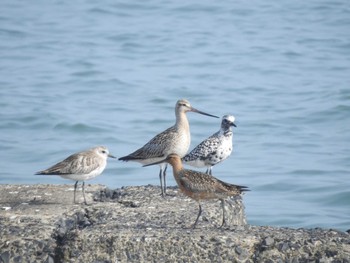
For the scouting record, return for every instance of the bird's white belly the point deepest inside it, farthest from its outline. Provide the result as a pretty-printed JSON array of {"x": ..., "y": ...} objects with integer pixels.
[
  {"x": 83, "y": 177},
  {"x": 197, "y": 163}
]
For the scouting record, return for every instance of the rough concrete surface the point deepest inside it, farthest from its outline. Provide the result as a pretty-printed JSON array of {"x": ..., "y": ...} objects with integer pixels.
[{"x": 40, "y": 223}]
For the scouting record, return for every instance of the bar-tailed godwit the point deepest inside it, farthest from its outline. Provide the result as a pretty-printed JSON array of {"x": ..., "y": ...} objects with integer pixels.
[
  {"x": 201, "y": 186},
  {"x": 81, "y": 166},
  {"x": 175, "y": 139},
  {"x": 214, "y": 149}
]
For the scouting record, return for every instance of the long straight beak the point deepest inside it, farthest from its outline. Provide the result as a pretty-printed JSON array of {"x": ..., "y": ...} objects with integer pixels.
[
  {"x": 203, "y": 113},
  {"x": 110, "y": 155},
  {"x": 234, "y": 124},
  {"x": 159, "y": 162}
]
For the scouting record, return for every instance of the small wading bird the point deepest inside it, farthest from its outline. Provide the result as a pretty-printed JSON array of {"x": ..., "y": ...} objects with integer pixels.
[
  {"x": 175, "y": 139},
  {"x": 81, "y": 166},
  {"x": 214, "y": 149},
  {"x": 201, "y": 186}
]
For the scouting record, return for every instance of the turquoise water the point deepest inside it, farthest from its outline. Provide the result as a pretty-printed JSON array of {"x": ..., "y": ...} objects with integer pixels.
[{"x": 75, "y": 74}]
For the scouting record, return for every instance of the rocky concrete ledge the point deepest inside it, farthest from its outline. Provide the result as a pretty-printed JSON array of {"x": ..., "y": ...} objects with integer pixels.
[{"x": 39, "y": 223}]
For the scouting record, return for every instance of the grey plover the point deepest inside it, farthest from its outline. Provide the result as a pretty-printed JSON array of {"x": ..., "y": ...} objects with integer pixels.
[
  {"x": 214, "y": 149},
  {"x": 201, "y": 186},
  {"x": 175, "y": 139},
  {"x": 81, "y": 166}
]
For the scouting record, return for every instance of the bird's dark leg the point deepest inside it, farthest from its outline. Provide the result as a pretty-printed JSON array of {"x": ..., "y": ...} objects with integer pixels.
[
  {"x": 207, "y": 171},
  {"x": 75, "y": 189},
  {"x": 161, "y": 181},
  {"x": 162, "y": 174},
  {"x": 84, "y": 193},
  {"x": 223, "y": 212},
  {"x": 164, "y": 180},
  {"x": 210, "y": 169},
  {"x": 199, "y": 213}
]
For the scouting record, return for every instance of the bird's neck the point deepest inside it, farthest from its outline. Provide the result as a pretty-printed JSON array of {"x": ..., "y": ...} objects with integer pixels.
[
  {"x": 182, "y": 121},
  {"x": 226, "y": 132},
  {"x": 177, "y": 166},
  {"x": 177, "y": 169}
]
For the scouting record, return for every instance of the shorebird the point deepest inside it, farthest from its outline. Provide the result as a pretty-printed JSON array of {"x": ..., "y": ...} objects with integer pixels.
[
  {"x": 201, "y": 186},
  {"x": 81, "y": 166},
  {"x": 175, "y": 139},
  {"x": 214, "y": 149}
]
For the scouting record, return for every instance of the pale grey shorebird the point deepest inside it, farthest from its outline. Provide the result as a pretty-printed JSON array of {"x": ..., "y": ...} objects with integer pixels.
[
  {"x": 214, "y": 149},
  {"x": 175, "y": 139},
  {"x": 201, "y": 186},
  {"x": 81, "y": 166}
]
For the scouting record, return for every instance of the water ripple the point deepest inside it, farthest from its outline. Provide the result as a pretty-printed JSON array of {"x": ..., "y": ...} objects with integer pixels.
[{"x": 78, "y": 74}]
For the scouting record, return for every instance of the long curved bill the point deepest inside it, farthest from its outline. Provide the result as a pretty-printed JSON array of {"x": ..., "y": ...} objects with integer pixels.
[{"x": 203, "y": 113}]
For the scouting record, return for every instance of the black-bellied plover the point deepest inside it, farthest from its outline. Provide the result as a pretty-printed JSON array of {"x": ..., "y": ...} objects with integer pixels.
[
  {"x": 81, "y": 166},
  {"x": 214, "y": 149},
  {"x": 175, "y": 139}
]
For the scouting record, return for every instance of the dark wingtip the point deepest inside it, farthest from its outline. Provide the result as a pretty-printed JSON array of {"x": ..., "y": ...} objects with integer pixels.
[
  {"x": 124, "y": 158},
  {"x": 130, "y": 158},
  {"x": 243, "y": 188}
]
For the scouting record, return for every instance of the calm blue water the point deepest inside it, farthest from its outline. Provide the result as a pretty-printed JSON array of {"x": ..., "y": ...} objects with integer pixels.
[{"x": 75, "y": 74}]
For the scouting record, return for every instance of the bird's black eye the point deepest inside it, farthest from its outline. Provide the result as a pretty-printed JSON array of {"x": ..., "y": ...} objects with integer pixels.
[{"x": 103, "y": 151}]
